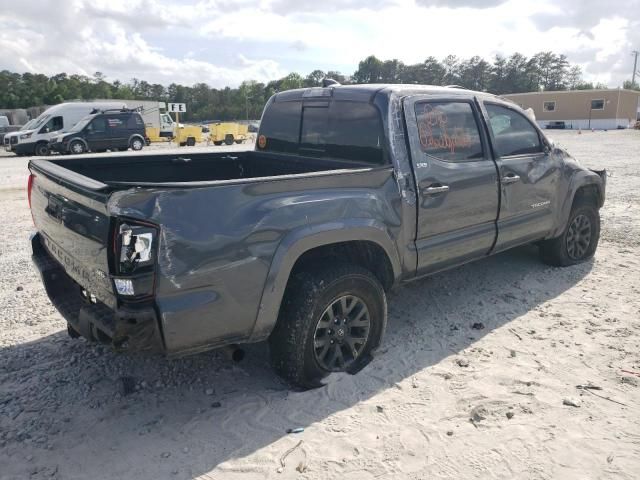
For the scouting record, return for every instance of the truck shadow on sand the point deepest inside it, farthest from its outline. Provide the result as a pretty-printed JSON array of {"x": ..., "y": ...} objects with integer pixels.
[{"x": 64, "y": 407}]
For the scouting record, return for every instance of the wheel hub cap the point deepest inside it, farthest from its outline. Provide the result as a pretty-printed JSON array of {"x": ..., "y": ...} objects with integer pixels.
[
  {"x": 341, "y": 333},
  {"x": 579, "y": 237}
]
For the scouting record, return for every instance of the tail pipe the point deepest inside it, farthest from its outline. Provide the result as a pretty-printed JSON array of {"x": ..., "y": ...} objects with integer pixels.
[{"x": 233, "y": 353}]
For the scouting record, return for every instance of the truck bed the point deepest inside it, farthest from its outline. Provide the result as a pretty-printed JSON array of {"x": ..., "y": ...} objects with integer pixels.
[{"x": 192, "y": 168}]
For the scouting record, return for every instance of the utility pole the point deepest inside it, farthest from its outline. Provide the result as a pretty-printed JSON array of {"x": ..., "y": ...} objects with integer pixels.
[{"x": 635, "y": 54}]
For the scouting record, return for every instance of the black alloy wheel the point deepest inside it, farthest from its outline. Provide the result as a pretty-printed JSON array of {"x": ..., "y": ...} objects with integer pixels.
[
  {"x": 578, "y": 237},
  {"x": 341, "y": 333}
]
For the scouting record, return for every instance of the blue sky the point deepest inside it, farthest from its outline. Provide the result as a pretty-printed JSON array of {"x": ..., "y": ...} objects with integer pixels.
[{"x": 223, "y": 42}]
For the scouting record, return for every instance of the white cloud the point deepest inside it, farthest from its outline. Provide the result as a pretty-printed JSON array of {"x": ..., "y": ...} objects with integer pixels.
[{"x": 223, "y": 42}]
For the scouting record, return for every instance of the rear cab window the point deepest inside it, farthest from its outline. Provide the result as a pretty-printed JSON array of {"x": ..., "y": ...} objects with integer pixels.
[{"x": 344, "y": 130}]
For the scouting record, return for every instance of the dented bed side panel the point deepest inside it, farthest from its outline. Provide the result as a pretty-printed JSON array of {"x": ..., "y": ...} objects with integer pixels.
[{"x": 217, "y": 243}]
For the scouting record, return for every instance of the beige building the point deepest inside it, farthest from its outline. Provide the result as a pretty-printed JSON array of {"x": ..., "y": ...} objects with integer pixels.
[{"x": 582, "y": 109}]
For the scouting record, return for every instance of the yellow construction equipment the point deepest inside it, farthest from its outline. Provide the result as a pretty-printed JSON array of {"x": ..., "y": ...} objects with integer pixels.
[
  {"x": 182, "y": 135},
  {"x": 228, "y": 133},
  {"x": 188, "y": 135}
]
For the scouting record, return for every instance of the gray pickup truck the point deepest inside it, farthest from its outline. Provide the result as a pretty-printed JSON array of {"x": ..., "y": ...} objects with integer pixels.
[{"x": 349, "y": 191}]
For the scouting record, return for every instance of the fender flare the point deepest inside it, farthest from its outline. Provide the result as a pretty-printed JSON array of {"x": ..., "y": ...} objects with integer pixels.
[
  {"x": 580, "y": 179},
  {"x": 303, "y": 239}
]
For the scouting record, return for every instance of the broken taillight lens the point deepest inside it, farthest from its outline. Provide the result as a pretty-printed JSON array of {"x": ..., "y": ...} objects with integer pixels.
[
  {"x": 136, "y": 244},
  {"x": 134, "y": 249}
]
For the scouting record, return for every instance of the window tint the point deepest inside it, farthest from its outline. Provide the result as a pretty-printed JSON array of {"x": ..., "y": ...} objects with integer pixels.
[
  {"x": 597, "y": 104},
  {"x": 512, "y": 132},
  {"x": 135, "y": 121},
  {"x": 281, "y": 126},
  {"x": 448, "y": 130},
  {"x": 355, "y": 132},
  {"x": 549, "y": 106},
  {"x": 315, "y": 125},
  {"x": 342, "y": 130},
  {"x": 98, "y": 125}
]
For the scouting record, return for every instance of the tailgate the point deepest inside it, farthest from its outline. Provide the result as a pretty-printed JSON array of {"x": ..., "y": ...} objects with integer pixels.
[{"x": 75, "y": 228}]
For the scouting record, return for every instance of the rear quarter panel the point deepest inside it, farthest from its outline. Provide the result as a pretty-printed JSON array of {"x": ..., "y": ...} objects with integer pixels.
[{"x": 217, "y": 244}]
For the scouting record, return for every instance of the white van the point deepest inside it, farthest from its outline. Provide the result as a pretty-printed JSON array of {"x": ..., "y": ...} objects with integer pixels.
[
  {"x": 55, "y": 120},
  {"x": 9, "y": 143}
]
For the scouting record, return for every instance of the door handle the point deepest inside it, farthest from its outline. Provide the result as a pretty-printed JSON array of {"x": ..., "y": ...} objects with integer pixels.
[
  {"x": 435, "y": 189},
  {"x": 510, "y": 178}
]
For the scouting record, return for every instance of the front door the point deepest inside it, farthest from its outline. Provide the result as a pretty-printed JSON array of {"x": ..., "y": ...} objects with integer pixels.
[
  {"x": 97, "y": 136},
  {"x": 529, "y": 177},
  {"x": 457, "y": 181}
]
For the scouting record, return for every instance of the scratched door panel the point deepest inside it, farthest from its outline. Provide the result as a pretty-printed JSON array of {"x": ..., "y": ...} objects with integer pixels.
[{"x": 456, "y": 180}]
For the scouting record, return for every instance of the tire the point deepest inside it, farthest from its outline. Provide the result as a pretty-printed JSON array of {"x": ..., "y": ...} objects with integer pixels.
[
  {"x": 574, "y": 245},
  {"x": 228, "y": 139},
  {"x": 136, "y": 144},
  {"x": 217, "y": 143},
  {"x": 77, "y": 147},
  {"x": 304, "y": 340},
  {"x": 239, "y": 141},
  {"x": 191, "y": 141},
  {"x": 42, "y": 149}
]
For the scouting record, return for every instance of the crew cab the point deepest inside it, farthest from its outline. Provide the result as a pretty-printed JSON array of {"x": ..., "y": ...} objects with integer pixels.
[{"x": 350, "y": 191}]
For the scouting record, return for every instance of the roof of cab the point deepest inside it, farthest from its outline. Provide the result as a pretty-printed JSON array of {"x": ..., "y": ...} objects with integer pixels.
[{"x": 365, "y": 92}]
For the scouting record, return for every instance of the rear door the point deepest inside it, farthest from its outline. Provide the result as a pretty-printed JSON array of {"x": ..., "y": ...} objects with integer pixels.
[
  {"x": 529, "y": 177},
  {"x": 456, "y": 178}
]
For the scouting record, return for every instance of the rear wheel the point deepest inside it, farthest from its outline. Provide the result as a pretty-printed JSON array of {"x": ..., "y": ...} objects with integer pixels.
[
  {"x": 331, "y": 320},
  {"x": 136, "y": 144},
  {"x": 228, "y": 139},
  {"x": 217, "y": 143},
  {"x": 77, "y": 147},
  {"x": 42, "y": 149},
  {"x": 239, "y": 141},
  {"x": 579, "y": 240}
]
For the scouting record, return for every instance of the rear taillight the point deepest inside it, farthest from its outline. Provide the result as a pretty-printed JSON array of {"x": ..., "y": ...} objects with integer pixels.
[
  {"x": 134, "y": 247},
  {"x": 29, "y": 188}
]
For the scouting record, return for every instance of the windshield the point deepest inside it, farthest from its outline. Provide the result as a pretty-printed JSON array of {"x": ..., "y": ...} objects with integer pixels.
[
  {"x": 81, "y": 124},
  {"x": 29, "y": 125},
  {"x": 41, "y": 120}
]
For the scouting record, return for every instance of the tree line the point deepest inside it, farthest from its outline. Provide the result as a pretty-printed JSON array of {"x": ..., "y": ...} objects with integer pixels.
[{"x": 502, "y": 75}]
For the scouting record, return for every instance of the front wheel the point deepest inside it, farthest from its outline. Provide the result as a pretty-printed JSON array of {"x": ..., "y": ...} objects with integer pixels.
[
  {"x": 42, "y": 149},
  {"x": 77, "y": 147},
  {"x": 579, "y": 240},
  {"x": 331, "y": 320}
]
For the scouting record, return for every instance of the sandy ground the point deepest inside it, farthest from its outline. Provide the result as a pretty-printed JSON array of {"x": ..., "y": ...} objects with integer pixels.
[{"x": 443, "y": 400}]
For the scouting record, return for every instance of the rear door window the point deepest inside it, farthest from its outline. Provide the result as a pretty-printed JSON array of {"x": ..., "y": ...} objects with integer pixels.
[
  {"x": 448, "y": 131},
  {"x": 513, "y": 133}
]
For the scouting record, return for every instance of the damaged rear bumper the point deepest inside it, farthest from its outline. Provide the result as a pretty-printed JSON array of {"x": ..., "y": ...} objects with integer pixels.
[{"x": 125, "y": 327}]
